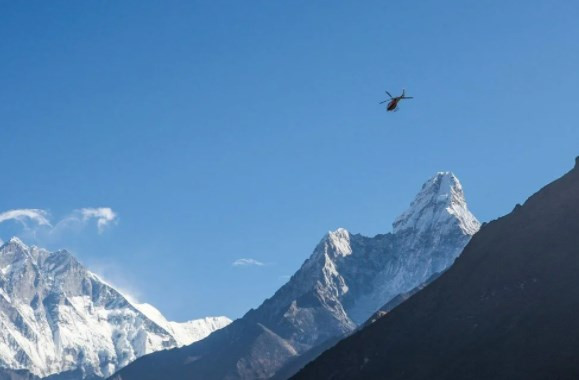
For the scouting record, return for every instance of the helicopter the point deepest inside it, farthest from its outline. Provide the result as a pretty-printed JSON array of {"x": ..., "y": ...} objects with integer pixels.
[{"x": 393, "y": 101}]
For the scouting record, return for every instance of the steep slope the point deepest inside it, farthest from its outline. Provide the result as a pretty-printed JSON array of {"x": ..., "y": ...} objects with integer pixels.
[
  {"x": 56, "y": 317},
  {"x": 507, "y": 309},
  {"x": 347, "y": 278}
]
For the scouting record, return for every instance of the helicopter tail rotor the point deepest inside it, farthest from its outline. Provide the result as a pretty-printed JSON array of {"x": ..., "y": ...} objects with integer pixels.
[{"x": 403, "y": 96}]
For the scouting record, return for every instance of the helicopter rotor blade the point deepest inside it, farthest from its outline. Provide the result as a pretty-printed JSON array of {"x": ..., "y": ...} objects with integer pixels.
[
  {"x": 387, "y": 93},
  {"x": 407, "y": 97},
  {"x": 383, "y": 102}
]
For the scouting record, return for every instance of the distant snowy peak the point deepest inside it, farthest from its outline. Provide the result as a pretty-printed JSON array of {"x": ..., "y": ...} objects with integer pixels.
[
  {"x": 56, "y": 317},
  {"x": 440, "y": 202},
  {"x": 14, "y": 254}
]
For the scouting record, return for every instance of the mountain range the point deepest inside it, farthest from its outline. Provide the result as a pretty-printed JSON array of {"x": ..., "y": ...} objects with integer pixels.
[
  {"x": 507, "y": 309},
  {"x": 344, "y": 282},
  {"x": 60, "y": 321}
]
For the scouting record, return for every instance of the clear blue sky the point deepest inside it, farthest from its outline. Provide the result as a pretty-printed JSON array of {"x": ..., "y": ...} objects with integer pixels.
[{"x": 220, "y": 130}]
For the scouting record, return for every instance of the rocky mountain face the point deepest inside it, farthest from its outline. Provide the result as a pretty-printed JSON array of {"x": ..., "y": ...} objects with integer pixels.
[
  {"x": 346, "y": 280},
  {"x": 60, "y": 320},
  {"x": 507, "y": 309}
]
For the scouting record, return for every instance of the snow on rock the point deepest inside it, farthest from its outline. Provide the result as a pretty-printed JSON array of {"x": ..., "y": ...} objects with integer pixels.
[
  {"x": 440, "y": 203},
  {"x": 56, "y": 316},
  {"x": 349, "y": 277},
  {"x": 188, "y": 332}
]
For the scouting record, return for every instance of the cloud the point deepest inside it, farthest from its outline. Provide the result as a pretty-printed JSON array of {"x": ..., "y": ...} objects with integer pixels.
[
  {"x": 103, "y": 215},
  {"x": 247, "y": 262},
  {"x": 37, "y": 225},
  {"x": 38, "y": 216}
]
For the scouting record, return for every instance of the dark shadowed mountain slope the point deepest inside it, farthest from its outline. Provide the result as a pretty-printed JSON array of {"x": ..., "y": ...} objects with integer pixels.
[
  {"x": 507, "y": 309},
  {"x": 346, "y": 279}
]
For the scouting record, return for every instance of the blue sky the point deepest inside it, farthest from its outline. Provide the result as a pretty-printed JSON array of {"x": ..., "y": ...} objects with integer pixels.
[{"x": 223, "y": 130}]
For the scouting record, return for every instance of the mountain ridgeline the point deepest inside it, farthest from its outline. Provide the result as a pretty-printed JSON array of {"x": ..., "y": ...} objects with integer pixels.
[
  {"x": 60, "y": 321},
  {"x": 507, "y": 309},
  {"x": 343, "y": 283}
]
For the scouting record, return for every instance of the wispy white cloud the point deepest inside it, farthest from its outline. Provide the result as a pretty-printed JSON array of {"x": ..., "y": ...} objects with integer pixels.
[
  {"x": 103, "y": 215},
  {"x": 24, "y": 215},
  {"x": 37, "y": 225},
  {"x": 247, "y": 262}
]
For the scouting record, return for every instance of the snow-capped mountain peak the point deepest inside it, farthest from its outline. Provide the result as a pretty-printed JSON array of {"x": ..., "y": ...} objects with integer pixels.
[
  {"x": 57, "y": 317},
  {"x": 13, "y": 248},
  {"x": 340, "y": 242},
  {"x": 440, "y": 202},
  {"x": 16, "y": 241}
]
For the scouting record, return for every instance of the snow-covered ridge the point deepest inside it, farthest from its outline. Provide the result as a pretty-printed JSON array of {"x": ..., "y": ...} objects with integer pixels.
[
  {"x": 184, "y": 333},
  {"x": 56, "y": 316}
]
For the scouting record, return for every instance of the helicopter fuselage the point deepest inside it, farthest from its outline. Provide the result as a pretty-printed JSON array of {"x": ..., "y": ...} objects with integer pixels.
[{"x": 393, "y": 104}]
